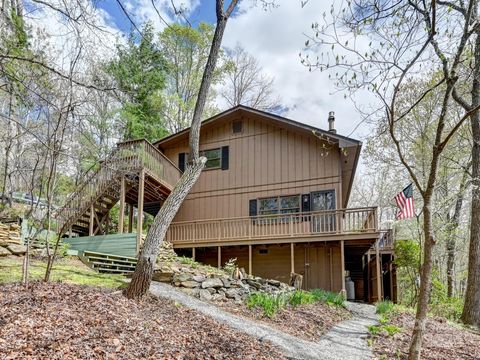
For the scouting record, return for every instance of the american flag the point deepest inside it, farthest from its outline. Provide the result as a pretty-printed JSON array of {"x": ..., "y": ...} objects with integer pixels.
[{"x": 404, "y": 201}]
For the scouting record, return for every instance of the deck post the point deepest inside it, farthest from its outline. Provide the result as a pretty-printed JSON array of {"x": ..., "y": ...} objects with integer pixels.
[
  {"x": 249, "y": 259},
  {"x": 193, "y": 254},
  {"x": 141, "y": 189},
  {"x": 292, "y": 258},
  {"x": 70, "y": 231},
  {"x": 379, "y": 282},
  {"x": 342, "y": 258},
  {"x": 130, "y": 218},
  {"x": 92, "y": 214},
  {"x": 121, "y": 213},
  {"x": 219, "y": 252}
]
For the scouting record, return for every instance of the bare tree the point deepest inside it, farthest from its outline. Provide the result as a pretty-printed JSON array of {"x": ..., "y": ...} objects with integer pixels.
[
  {"x": 385, "y": 47},
  {"x": 246, "y": 82},
  {"x": 142, "y": 276}
]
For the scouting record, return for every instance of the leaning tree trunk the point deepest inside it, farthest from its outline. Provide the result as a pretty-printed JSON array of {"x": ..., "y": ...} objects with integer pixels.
[
  {"x": 425, "y": 285},
  {"x": 471, "y": 309},
  {"x": 142, "y": 276}
]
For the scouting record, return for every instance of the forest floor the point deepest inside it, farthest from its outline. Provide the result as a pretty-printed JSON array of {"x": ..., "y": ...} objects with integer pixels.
[
  {"x": 64, "y": 321},
  {"x": 443, "y": 340},
  {"x": 308, "y": 321}
]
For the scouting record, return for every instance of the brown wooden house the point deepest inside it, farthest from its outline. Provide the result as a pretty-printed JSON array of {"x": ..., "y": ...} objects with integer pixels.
[{"x": 274, "y": 195}]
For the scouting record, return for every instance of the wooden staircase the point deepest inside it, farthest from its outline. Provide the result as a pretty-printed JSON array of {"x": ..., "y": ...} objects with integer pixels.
[
  {"x": 107, "y": 263},
  {"x": 86, "y": 210}
]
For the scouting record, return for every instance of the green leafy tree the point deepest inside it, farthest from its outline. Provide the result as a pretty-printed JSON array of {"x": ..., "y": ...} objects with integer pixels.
[
  {"x": 139, "y": 71},
  {"x": 186, "y": 52}
]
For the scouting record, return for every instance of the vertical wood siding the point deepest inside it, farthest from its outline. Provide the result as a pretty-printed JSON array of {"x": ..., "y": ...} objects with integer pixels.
[{"x": 265, "y": 159}]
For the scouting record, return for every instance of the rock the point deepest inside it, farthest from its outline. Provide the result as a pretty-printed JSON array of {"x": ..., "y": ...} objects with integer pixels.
[
  {"x": 205, "y": 295},
  {"x": 190, "y": 284},
  {"x": 232, "y": 293},
  {"x": 226, "y": 282},
  {"x": 192, "y": 292},
  {"x": 218, "y": 297},
  {"x": 212, "y": 283},
  {"x": 199, "y": 278},
  {"x": 274, "y": 282},
  {"x": 254, "y": 283},
  {"x": 182, "y": 277},
  {"x": 3, "y": 242},
  {"x": 4, "y": 252},
  {"x": 160, "y": 276},
  {"x": 17, "y": 249}
]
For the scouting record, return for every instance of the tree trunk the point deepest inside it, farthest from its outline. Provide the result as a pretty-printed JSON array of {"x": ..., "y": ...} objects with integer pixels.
[
  {"x": 425, "y": 285},
  {"x": 471, "y": 309},
  {"x": 142, "y": 276},
  {"x": 452, "y": 228}
]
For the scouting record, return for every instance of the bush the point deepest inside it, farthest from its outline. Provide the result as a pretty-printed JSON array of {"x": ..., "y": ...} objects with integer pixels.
[
  {"x": 300, "y": 297},
  {"x": 450, "y": 309}
]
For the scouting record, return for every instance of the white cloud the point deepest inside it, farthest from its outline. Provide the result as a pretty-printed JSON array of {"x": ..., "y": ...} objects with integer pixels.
[{"x": 276, "y": 37}]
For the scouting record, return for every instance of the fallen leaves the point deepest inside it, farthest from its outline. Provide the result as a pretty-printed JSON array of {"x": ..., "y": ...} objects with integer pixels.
[
  {"x": 442, "y": 341},
  {"x": 62, "y": 321}
]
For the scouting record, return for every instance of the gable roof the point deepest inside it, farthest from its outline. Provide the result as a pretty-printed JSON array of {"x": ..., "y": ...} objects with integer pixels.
[{"x": 349, "y": 160}]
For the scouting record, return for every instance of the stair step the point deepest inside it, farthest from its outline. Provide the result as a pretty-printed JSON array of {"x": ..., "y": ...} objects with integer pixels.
[{"x": 112, "y": 261}]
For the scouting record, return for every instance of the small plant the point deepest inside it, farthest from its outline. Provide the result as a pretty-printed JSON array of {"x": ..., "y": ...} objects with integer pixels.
[
  {"x": 187, "y": 261},
  {"x": 230, "y": 266},
  {"x": 384, "y": 307},
  {"x": 391, "y": 329},
  {"x": 374, "y": 330},
  {"x": 328, "y": 297},
  {"x": 270, "y": 304},
  {"x": 300, "y": 297}
]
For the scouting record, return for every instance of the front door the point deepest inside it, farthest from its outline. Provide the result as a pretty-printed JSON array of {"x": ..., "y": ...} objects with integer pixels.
[{"x": 323, "y": 201}]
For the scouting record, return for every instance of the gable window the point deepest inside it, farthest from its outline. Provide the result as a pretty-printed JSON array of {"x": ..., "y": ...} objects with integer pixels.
[
  {"x": 279, "y": 205},
  {"x": 214, "y": 158}
]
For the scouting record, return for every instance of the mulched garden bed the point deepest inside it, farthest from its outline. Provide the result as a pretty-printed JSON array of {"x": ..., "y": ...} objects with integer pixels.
[
  {"x": 62, "y": 321},
  {"x": 442, "y": 341},
  {"x": 308, "y": 322}
]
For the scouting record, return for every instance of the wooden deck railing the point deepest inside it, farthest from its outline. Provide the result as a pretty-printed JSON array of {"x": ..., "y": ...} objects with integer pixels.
[
  {"x": 341, "y": 221},
  {"x": 127, "y": 157}
]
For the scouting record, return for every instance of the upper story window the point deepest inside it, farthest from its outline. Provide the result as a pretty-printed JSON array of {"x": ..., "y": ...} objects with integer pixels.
[
  {"x": 279, "y": 205},
  {"x": 214, "y": 158}
]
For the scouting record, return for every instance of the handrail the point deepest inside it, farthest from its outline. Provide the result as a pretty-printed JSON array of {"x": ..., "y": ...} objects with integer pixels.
[{"x": 314, "y": 223}]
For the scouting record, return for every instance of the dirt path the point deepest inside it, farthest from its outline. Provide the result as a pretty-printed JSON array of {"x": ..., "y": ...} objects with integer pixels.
[{"x": 344, "y": 341}]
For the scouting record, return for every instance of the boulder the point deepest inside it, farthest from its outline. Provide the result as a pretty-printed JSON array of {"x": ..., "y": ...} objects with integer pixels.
[
  {"x": 190, "y": 284},
  {"x": 162, "y": 276},
  {"x": 254, "y": 283},
  {"x": 212, "y": 290},
  {"x": 199, "y": 278},
  {"x": 232, "y": 293},
  {"x": 226, "y": 282},
  {"x": 17, "y": 249},
  {"x": 192, "y": 292},
  {"x": 4, "y": 252},
  {"x": 212, "y": 283},
  {"x": 218, "y": 297},
  {"x": 274, "y": 282},
  {"x": 205, "y": 295},
  {"x": 182, "y": 277}
]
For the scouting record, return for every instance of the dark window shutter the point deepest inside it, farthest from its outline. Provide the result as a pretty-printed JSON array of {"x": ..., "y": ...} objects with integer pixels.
[
  {"x": 224, "y": 157},
  {"x": 181, "y": 161},
  {"x": 252, "y": 210},
  {"x": 305, "y": 202}
]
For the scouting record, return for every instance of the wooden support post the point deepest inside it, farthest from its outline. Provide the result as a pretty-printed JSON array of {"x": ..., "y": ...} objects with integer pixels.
[
  {"x": 292, "y": 258},
  {"x": 130, "y": 218},
  {"x": 379, "y": 272},
  {"x": 70, "y": 232},
  {"x": 193, "y": 254},
  {"x": 219, "y": 265},
  {"x": 342, "y": 259},
  {"x": 141, "y": 190},
  {"x": 249, "y": 259},
  {"x": 369, "y": 287},
  {"x": 121, "y": 213},
  {"x": 92, "y": 219}
]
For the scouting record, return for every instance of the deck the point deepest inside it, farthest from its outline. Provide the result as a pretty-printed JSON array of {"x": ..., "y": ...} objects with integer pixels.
[{"x": 340, "y": 224}]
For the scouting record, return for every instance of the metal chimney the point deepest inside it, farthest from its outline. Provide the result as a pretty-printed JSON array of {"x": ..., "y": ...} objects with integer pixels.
[{"x": 331, "y": 122}]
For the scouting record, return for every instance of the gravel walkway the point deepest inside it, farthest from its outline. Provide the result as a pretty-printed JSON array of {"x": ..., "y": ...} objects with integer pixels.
[{"x": 344, "y": 341}]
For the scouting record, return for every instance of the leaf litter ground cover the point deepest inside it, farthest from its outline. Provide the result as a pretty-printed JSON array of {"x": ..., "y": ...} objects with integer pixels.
[
  {"x": 63, "y": 321},
  {"x": 442, "y": 341}
]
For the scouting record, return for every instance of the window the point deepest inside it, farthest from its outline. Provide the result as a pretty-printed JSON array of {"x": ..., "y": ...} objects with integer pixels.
[
  {"x": 279, "y": 204},
  {"x": 214, "y": 158}
]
